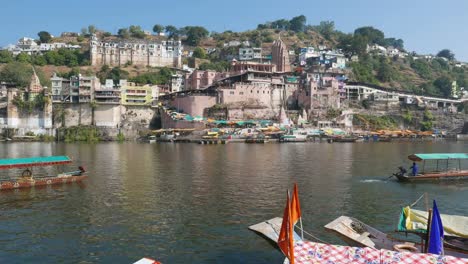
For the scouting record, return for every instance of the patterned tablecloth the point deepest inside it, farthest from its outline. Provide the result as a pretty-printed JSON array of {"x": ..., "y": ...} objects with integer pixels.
[{"x": 316, "y": 253}]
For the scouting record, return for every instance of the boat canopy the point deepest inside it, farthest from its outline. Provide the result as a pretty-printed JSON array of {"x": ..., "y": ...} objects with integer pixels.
[
  {"x": 437, "y": 156},
  {"x": 33, "y": 161},
  {"x": 416, "y": 221}
]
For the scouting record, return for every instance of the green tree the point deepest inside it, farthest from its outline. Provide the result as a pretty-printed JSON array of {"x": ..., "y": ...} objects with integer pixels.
[
  {"x": 195, "y": 35},
  {"x": 444, "y": 84},
  {"x": 199, "y": 53},
  {"x": 17, "y": 72},
  {"x": 446, "y": 53},
  {"x": 6, "y": 56},
  {"x": 39, "y": 60},
  {"x": 23, "y": 57},
  {"x": 297, "y": 24},
  {"x": 123, "y": 33},
  {"x": 44, "y": 36},
  {"x": 373, "y": 35},
  {"x": 326, "y": 28},
  {"x": 281, "y": 24},
  {"x": 427, "y": 123},
  {"x": 92, "y": 29},
  {"x": 422, "y": 68},
  {"x": 396, "y": 43},
  {"x": 353, "y": 45},
  {"x": 171, "y": 31},
  {"x": 384, "y": 72},
  {"x": 136, "y": 32},
  {"x": 158, "y": 28}
]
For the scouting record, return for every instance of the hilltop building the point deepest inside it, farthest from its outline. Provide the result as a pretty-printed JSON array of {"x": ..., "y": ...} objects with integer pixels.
[{"x": 136, "y": 52}]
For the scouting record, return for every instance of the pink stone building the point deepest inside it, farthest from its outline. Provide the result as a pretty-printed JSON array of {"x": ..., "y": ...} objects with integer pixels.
[{"x": 201, "y": 79}]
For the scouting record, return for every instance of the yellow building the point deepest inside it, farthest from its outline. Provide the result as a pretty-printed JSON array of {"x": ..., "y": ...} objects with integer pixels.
[{"x": 136, "y": 95}]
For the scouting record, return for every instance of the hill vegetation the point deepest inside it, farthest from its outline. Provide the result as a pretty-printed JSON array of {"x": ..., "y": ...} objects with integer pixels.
[{"x": 432, "y": 76}]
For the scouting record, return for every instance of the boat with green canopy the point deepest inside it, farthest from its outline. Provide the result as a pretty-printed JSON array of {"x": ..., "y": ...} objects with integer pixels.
[
  {"x": 436, "y": 166},
  {"x": 22, "y": 175}
]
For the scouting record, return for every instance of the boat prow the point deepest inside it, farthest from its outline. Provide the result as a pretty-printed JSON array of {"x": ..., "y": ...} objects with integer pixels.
[{"x": 270, "y": 229}]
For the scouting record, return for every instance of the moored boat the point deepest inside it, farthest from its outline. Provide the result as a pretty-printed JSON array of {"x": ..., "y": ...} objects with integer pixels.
[
  {"x": 373, "y": 246},
  {"x": 26, "y": 179},
  {"x": 447, "y": 167}
]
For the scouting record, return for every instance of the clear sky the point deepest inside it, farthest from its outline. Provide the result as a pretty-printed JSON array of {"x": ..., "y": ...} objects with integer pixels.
[{"x": 426, "y": 26}]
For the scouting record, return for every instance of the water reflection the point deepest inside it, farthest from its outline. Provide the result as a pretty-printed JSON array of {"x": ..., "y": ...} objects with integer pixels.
[{"x": 184, "y": 203}]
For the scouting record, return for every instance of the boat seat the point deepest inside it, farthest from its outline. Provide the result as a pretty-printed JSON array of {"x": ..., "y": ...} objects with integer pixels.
[{"x": 363, "y": 236}]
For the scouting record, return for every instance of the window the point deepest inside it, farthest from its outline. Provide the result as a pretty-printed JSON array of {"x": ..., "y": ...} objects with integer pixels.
[
  {"x": 241, "y": 93},
  {"x": 251, "y": 91},
  {"x": 231, "y": 92}
]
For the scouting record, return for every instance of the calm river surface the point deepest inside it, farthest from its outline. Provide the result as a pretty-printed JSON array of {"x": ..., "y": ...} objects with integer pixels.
[{"x": 188, "y": 203}]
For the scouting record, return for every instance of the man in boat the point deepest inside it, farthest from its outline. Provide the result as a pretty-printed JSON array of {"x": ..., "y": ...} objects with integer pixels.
[{"x": 414, "y": 169}]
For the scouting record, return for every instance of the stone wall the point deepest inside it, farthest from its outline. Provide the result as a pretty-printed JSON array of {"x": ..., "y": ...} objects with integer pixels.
[{"x": 193, "y": 105}]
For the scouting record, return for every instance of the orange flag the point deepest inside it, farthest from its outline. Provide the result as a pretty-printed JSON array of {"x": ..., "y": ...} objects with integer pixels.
[
  {"x": 295, "y": 206},
  {"x": 286, "y": 236}
]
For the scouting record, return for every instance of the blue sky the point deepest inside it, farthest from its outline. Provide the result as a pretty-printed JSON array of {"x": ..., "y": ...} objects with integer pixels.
[{"x": 425, "y": 26}]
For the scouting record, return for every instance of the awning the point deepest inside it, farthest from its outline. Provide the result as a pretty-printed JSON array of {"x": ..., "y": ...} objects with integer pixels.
[
  {"x": 33, "y": 162},
  {"x": 437, "y": 156}
]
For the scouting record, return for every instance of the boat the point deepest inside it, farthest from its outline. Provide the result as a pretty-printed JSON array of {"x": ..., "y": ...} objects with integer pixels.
[
  {"x": 356, "y": 233},
  {"x": 26, "y": 178},
  {"x": 442, "y": 163},
  {"x": 341, "y": 139},
  {"x": 455, "y": 227},
  {"x": 293, "y": 138},
  {"x": 257, "y": 139},
  {"x": 371, "y": 245}
]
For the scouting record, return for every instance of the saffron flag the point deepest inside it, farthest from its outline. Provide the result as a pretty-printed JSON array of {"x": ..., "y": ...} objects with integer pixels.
[
  {"x": 436, "y": 235},
  {"x": 286, "y": 236},
  {"x": 295, "y": 206}
]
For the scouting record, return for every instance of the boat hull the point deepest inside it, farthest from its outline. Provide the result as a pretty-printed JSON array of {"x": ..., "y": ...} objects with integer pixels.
[
  {"x": 460, "y": 175},
  {"x": 10, "y": 185}
]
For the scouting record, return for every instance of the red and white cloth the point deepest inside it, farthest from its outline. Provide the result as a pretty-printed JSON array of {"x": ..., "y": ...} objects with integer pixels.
[{"x": 317, "y": 253}]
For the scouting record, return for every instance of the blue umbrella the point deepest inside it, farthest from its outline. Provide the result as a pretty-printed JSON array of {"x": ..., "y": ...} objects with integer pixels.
[{"x": 436, "y": 235}]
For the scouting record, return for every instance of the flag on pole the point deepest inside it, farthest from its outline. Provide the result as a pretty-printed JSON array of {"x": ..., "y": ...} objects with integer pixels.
[
  {"x": 295, "y": 206},
  {"x": 436, "y": 235},
  {"x": 286, "y": 236}
]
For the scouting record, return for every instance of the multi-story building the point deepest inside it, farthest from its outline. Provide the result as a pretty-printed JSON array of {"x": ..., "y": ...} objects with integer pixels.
[
  {"x": 82, "y": 88},
  {"x": 133, "y": 94},
  {"x": 250, "y": 54},
  {"x": 109, "y": 93},
  {"x": 29, "y": 46},
  {"x": 177, "y": 83},
  {"x": 136, "y": 52},
  {"x": 201, "y": 79},
  {"x": 60, "y": 88}
]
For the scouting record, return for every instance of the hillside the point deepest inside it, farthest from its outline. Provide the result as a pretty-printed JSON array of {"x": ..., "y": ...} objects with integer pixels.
[{"x": 430, "y": 75}]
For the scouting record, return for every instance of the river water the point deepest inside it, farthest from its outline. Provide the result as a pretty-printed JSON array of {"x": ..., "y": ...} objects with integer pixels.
[{"x": 188, "y": 203}]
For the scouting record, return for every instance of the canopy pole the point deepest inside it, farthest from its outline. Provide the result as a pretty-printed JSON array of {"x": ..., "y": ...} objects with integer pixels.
[
  {"x": 437, "y": 168},
  {"x": 424, "y": 166}
]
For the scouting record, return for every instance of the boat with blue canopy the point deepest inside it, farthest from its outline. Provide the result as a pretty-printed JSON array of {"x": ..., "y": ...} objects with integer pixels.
[
  {"x": 436, "y": 166},
  {"x": 23, "y": 176}
]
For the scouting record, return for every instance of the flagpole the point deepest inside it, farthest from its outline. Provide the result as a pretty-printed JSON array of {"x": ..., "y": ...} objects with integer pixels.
[{"x": 428, "y": 230}]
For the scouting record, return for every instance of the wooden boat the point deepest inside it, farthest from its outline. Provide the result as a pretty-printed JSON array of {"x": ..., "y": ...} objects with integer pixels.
[
  {"x": 342, "y": 139},
  {"x": 373, "y": 246},
  {"x": 27, "y": 179},
  {"x": 356, "y": 233},
  {"x": 414, "y": 221},
  {"x": 443, "y": 171},
  {"x": 257, "y": 139},
  {"x": 293, "y": 138}
]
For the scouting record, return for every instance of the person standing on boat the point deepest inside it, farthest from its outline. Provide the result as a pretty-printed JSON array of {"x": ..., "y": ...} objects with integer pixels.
[{"x": 414, "y": 169}]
